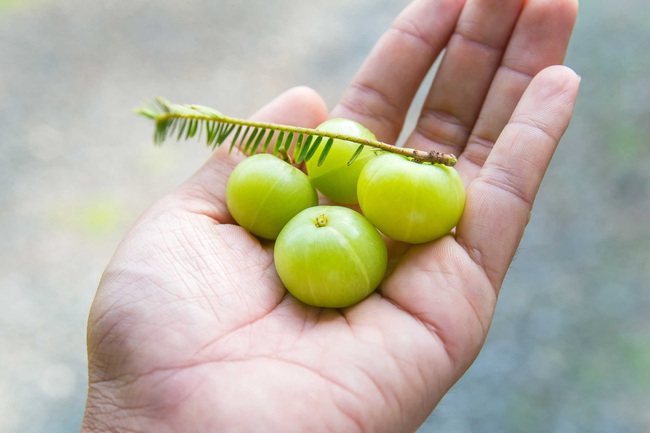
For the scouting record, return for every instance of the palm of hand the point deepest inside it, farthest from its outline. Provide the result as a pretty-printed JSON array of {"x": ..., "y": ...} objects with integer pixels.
[
  {"x": 191, "y": 329},
  {"x": 201, "y": 309}
]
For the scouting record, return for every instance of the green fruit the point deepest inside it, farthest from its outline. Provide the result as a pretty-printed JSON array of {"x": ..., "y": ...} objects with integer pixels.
[
  {"x": 330, "y": 256},
  {"x": 264, "y": 193},
  {"x": 411, "y": 202},
  {"x": 334, "y": 178}
]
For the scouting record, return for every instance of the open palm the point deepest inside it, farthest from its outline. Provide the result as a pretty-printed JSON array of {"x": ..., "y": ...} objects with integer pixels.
[{"x": 191, "y": 329}]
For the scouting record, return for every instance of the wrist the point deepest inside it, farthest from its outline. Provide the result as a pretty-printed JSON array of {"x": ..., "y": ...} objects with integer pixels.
[{"x": 104, "y": 413}]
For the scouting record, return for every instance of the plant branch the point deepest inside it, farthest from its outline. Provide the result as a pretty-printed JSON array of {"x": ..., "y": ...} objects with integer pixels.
[{"x": 189, "y": 120}]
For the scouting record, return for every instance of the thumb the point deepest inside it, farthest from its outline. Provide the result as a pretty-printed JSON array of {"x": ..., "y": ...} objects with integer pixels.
[{"x": 205, "y": 191}]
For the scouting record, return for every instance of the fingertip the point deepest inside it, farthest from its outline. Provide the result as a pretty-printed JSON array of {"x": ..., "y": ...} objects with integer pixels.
[
  {"x": 572, "y": 7},
  {"x": 298, "y": 106},
  {"x": 308, "y": 94},
  {"x": 557, "y": 80},
  {"x": 560, "y": 71}
]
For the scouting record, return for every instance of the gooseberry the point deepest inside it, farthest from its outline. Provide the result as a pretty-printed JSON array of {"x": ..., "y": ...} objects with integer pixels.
[
  {"x": 264, "y": 193},
  {"x": 330, "y": 256},
  {"x": 334, "y": 178},
  {"x": 408, "y": 201}
]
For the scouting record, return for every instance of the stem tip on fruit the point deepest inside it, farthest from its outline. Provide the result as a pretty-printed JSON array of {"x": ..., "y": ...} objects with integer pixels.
[{"x": 321, "y": 221}]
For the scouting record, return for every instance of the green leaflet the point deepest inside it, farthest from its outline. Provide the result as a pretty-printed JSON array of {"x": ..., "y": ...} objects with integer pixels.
[
  {"x": 326, "y": 150},
  {"x": 357, "y": 152}
]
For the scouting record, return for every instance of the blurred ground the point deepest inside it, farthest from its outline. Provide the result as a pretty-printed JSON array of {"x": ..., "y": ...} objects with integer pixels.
[{"x": 569, "y": 350}]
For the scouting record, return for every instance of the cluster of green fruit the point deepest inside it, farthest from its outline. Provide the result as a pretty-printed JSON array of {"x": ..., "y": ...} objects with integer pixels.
[{"x": 332, "y": 256}]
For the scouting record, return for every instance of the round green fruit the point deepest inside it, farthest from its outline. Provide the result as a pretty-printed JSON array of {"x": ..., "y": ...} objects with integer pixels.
[
  {"x": 411, "y": 202},
  {"x": 264, "y": 193},
  {"x": 334, "y": 178},
  {"x": 330, "y": 256}
]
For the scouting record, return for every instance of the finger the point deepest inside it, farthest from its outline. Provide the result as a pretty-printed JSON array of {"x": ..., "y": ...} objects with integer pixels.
[
  {"x": 540, "y": 39},
  {"x": 205, "y": 191},
  {"x": 461, "y": 83},
  {"x": 382, "y": 90},
  {"x": 500, "y": 199}
]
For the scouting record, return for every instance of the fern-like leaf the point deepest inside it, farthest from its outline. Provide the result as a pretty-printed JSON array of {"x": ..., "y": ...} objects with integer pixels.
[{"x": 188, "y": 121}]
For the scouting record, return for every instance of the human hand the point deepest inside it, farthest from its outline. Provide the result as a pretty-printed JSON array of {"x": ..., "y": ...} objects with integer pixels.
[{"x": 191, "y": 329}]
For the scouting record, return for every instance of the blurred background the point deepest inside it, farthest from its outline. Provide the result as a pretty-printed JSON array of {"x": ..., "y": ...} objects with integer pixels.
[{"x": 569, "y": 350}]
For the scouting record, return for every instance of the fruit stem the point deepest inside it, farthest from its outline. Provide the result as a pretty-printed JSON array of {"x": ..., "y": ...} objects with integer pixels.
[
  {"x": 284, "y": 155},
  {"x": 321, "y": 220}
]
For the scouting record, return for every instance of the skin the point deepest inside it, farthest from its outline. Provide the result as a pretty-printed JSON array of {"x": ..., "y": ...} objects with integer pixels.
[{"x": 191, "y": 329}]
